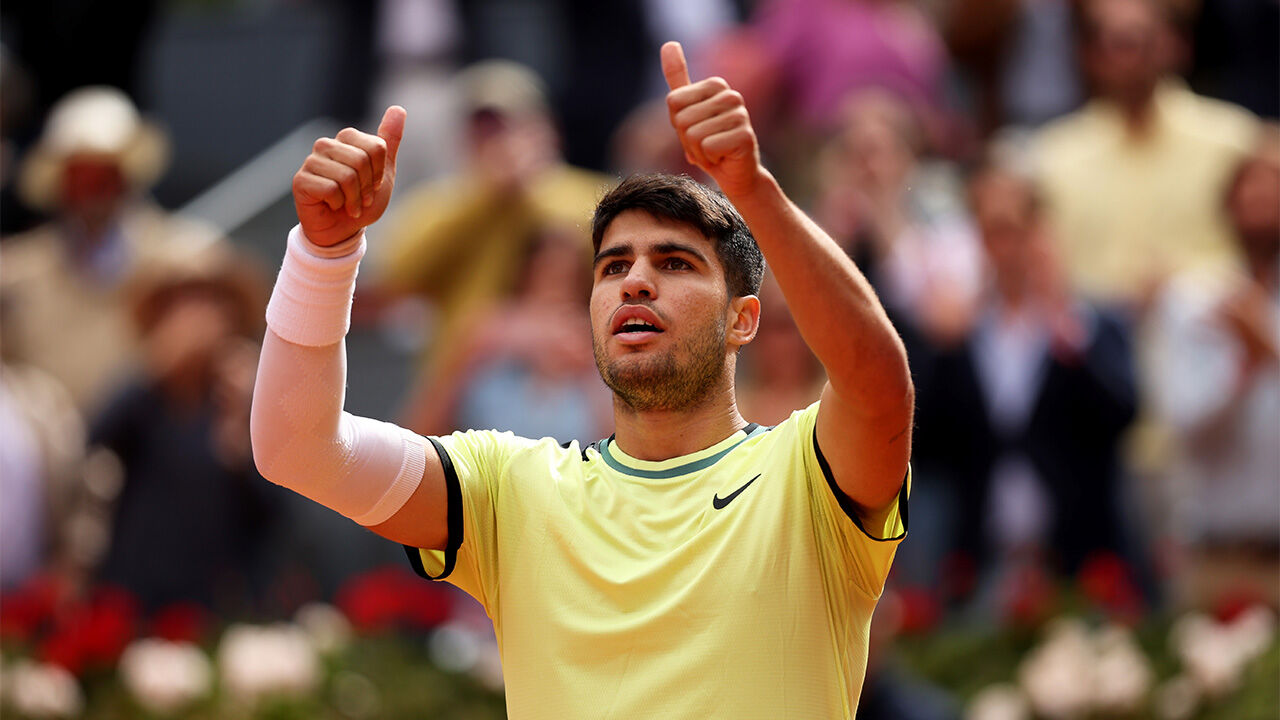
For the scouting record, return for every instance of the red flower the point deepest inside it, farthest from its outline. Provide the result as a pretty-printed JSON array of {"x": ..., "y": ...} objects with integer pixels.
[
  {"x": 392, "y": 596},
  {"x": 180, "y": 622},
  {"x": 920, "y": 610},
  {"x": 1027, "y": 595},
  {"x": 24, "y": 610},
  {"x": 1232, "y": 603},
  {"x": 1108, "y": 583},
  {"x": 93, "y": 634}
]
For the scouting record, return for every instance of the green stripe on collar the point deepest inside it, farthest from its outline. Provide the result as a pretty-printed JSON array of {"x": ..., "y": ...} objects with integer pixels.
[{"x": 684, "y": 469}]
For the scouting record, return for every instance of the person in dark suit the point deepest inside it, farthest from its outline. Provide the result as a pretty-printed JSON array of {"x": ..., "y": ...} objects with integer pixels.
[{"x": 1028, "y": 409}]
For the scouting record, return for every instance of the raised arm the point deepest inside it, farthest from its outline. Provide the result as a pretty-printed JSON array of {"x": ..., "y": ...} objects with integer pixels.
[
  {"x": 864, "y": 421},
  {"x": 379, "y": 475}
]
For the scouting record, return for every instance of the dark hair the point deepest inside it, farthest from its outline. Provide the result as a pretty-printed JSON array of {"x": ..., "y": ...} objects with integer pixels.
[{"x": 684, "y": 200}]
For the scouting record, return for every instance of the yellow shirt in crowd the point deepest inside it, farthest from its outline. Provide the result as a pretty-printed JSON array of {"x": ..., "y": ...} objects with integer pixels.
[{"x": 1128, "y": 209}]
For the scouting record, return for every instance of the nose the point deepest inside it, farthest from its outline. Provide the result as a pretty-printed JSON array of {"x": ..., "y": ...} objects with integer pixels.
[{"x": 638, "y": 284}]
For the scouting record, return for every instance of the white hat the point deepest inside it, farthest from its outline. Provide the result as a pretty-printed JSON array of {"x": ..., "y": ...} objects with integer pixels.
[
  {"x": 502, "y": 86},
  {"x": 99, "y": 121}
]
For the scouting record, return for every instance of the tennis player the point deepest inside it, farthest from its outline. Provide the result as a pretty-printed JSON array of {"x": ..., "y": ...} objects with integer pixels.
[{"x": 693, "y": 565}]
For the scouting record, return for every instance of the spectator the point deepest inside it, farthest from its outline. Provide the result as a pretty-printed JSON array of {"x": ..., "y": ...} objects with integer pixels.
[
  {"x": 460, "y": 241},
  {"x": 41, "y": 451},
  {"x": 64, "y": 279},
  {"x": 799, "y": 59},
  {"x": 1019, "y": 56},
  {"x": 807, "y": 55},
  {"x": 190, "y": 515},
  {"x": 779, "y": 373},
  {"x": 524, "y": 364},
  {"x": 900, "y": 216},
  {"x": 1133, "y": 178},
  {"x": 1027, "y": 413},
  {"x": 642, "y": 143},
  {"x": 1217, "y": 385}
]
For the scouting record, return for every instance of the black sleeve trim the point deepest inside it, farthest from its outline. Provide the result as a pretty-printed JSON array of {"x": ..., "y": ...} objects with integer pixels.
[
  {"x": 453, "y": 494},
  {"x": 846, "y": 503}
]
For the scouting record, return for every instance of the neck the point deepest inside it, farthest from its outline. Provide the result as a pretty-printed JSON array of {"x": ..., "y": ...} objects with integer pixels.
[
  {"x": 664, "y": 434},
  {"x": 88, "y": 231},
  {"x": 1138, "y": 110},
  {"x": 1263, "y": 268},
  {"x": 1012, "y": 290}
]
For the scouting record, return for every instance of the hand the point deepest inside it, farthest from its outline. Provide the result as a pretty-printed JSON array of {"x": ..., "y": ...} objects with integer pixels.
[
  {"x": 712, "y": 122},
  {"x": 1247, "y": 313},
  {"x": 345, "y": 183},
  {"x": 1052, "y": 291}
]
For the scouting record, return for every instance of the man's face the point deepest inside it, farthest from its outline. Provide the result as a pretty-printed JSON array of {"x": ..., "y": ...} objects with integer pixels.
[
  {"x": 92, "y": 189},
  {"x": 1253, "y": 207},
  {"x": 1001, "y": 212},
  {"x": 1124, "y": 54},
  {"x": 659, "y": 312}
]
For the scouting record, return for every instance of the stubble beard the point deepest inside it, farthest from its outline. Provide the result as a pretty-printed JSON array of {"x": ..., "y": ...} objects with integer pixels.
[{"x": 662, "y": 381}]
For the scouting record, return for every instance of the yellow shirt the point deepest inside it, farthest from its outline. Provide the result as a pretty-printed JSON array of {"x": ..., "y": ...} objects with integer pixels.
[
  {"x": 1127, "y": 210},
  {"x": 730, "y": 583}
]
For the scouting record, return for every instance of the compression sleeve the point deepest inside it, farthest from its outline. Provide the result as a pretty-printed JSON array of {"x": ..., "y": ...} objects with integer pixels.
[{"x": 302, "y": 439}]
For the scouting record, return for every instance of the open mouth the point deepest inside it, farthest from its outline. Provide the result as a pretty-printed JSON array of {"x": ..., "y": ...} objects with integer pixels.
[{"x": 636, "y": 324}]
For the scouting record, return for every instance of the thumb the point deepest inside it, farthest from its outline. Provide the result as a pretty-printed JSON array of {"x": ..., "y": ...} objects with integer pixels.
[
  {"x": 391, "y": 130},
  {"x": 674, "y": 67}
]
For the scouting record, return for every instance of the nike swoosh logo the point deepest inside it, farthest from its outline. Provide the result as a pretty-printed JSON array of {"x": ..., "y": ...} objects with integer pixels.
[{"x": 720, "y": 502}]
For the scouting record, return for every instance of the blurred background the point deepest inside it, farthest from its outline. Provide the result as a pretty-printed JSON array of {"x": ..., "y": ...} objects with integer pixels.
[{"x": 1070, "y": 208}]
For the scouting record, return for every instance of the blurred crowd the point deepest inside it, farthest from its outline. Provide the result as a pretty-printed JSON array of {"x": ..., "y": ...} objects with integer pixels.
[{"x": 1070, "y": 209}]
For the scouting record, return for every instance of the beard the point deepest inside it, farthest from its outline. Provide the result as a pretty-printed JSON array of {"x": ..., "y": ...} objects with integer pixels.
[{"x": 678, "y": 379}]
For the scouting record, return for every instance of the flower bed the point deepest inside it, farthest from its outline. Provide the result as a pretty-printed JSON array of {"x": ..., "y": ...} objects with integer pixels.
[{"x": 395, "y": 647}]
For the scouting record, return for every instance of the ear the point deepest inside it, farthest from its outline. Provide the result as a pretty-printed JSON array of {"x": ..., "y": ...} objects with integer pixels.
[{"x": 743, "y": 320}]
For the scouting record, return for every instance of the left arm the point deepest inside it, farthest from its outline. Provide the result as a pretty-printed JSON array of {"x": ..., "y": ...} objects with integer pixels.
[{"x": 864, "y": 421}]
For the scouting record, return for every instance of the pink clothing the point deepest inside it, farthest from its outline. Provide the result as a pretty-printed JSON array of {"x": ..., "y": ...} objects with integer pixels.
[{"x": 826, "y": 48}]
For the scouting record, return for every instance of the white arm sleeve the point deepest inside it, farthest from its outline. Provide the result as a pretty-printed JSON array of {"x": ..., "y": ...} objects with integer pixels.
[{"x": 302, "y": 439}]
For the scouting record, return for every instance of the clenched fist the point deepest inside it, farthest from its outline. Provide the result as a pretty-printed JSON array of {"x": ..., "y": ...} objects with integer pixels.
[
  {"x": 345, "y": 183},
  {"x": 711, "y": 120}
]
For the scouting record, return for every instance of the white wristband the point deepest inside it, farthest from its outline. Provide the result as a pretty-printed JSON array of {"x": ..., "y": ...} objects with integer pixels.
[{"x": 311, "y": 302}]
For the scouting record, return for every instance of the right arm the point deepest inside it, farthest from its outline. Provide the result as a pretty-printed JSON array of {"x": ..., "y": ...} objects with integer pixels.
[{"x": 381, "y": 476}]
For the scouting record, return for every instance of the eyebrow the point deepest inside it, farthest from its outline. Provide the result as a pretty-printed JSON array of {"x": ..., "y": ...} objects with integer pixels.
[
  {"x": 670, "y": 248},
  {"x": 666, "y": 248},
  {"x": 615, "y": 251}
]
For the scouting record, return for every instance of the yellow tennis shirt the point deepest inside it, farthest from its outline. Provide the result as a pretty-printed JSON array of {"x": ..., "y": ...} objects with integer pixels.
[{"x": 734, "y": 582}]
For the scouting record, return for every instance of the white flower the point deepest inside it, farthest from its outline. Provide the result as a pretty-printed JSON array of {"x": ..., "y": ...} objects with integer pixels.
[
  {"x": 1189, "y": 631},
  {"x": 1058, "y": 674},
  {"x": 1122, "y": 674},
  {"x": 165, "y": 676},
  {"x": 455, "y": 647},
  {"x": 1215, "y": 654},
  {"x": 328, "y": 628},
  {"x": 261, "y": 660},
  {"x": 40, "y": 690},
  {"x": 999, "y": 702},
  {"x": 458, "y": 646},
  {"x": 1253, "y": 631}
]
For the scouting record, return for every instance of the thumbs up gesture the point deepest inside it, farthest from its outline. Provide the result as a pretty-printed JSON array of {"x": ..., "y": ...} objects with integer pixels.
[
  {"x": 712, "y": 122},
  {"x": 345, "y": 183}
]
